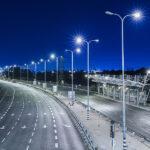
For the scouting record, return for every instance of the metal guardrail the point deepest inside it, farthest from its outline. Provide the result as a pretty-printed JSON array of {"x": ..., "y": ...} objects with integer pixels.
[{"x": 83, "y": 131}]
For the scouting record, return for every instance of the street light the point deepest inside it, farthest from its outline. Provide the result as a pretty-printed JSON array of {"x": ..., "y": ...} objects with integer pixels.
[
  {"x": 27, "y": 68},
  {"x": 35, "y": 69},
  {"x": 80, "y": 40},
  {"x": 53, "y": 57},
  {"x": 13, "y": 70},
  {"x": 136, "y": 15},
  {"x": 78, "y": 50},
  {"x": 45, "y": 68},
  {"x": 7, "y": 67}
]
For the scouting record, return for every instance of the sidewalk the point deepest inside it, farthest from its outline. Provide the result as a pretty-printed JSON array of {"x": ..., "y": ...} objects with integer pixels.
[{"x": 99, "y": 127}]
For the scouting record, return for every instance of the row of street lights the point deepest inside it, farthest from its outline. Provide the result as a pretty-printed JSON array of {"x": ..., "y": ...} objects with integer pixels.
[{"x": 80, "y": 40}]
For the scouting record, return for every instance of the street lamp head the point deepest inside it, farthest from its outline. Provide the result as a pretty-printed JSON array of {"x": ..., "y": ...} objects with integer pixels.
[
  {"x": 52, "y": 56},
  {"x": 137, "y": 15},
  {"x": 41, "y": 60},
  {"x": 15, "y": 65},
  {"x": 79, "y": 40},
  {"x": 96, "y": 40},
  {"x": 109, "y": 13},
  {"x": 32, "y": 62},
  {"x": 148, "y": 72},
  {"x": 78, "y": 50}
]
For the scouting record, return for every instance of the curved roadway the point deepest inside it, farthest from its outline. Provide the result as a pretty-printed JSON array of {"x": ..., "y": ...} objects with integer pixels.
[{"x": 32, "y": 120}]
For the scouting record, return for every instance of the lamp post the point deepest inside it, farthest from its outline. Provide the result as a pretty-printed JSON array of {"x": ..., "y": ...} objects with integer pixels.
[
  {"x": 13, "y": 70},
  {"x": 7, "y": 67},
  {"x": 136, "y": 15},
  {"x": 35, "y": 69},
  {"x": 80, "y": 40},
  {"x": 53, "y": 56},
  {"x": 20, "y": 72},
  {"x": 27, "y": 68},
  {"x": 45, "y": 69},
  {"x": 72, "y": 67}
]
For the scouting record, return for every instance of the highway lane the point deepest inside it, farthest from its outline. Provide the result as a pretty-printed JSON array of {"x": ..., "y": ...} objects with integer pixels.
[
  {"x": 36, "y": 121},
  {"x": 138, "y": 120}
]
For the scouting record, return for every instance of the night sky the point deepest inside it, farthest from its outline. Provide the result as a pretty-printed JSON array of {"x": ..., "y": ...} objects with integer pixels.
[{"x": 30, "y": 30}]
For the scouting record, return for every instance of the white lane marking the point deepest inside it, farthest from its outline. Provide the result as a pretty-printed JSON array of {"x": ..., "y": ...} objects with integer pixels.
[
  {"x": 53, "y": 117},
  {"x": 27, "y": 148},
  {"x": 54, "y": 125},
  {"x": 56, "y": 145},
  {"x": 56, "y": 137},
  {"x": 30, "y": 141},
  {"x": 2, "y": 128},
  {"x": 35, "y": 124},
  {"x": 23, "y": 127},
  {"x": 44, "y": 126},
  {"x": 54, "y": 121},
  {"x": 12, "y": 128},
  {"x": 12, "y": 114},
  {"x": 29, "y": 114},
  {"x": 3, "y": 140},
  {"x": 32, "y": 134},
  {"x": 67, "y": 126},
  {"x": 8, "y": 133},
  {"x": 55, "y": 131}
]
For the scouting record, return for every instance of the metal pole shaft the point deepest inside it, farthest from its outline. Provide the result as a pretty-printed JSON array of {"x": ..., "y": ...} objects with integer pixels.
[
  {"x": 13, "y": 72},
  {"x": 27, "y": 73},
  {"x": 57, "y": 70},
  {"x": 35, "y": 71},
  {"x": 8, "y": 72},
  {"x": 88, "y": 92},
  {"x": 72, "y": 72},
  {"x": 20, "y": 73},
  {"x": 124, "y": 103},
  {"x": 45, "y": 71}
]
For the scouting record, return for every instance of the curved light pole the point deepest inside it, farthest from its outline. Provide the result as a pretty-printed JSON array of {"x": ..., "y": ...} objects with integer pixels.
[
  {"x": 72, "y": 66},
  {"x": 80, "y": 40},
  {"x": 136, "y": 15}
]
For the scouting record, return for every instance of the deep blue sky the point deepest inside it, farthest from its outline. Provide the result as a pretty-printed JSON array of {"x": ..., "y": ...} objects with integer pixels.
[{"x": 31, "y": 29}]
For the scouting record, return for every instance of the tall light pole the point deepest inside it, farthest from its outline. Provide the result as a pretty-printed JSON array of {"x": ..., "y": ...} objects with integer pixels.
[
  {"x": 35, "y": 69},
  {"x": 72, "y": 67},
  {"x": 20, "y": 72},
  {"x": 53, "y": 56},
  {"x": 45, "y": 69},
  {"x": 14, "y": 66},
  {"x": 7, "y": 67},
  {"x": 27, "y": 68},
  {"x": 136, "y": 15},
  {"x": 80, "y": 40}
]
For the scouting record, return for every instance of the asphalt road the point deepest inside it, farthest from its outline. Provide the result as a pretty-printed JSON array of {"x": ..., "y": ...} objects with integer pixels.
[
  {"x": 138, "y": 120},
  {"x": 32, "y": 120}
]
